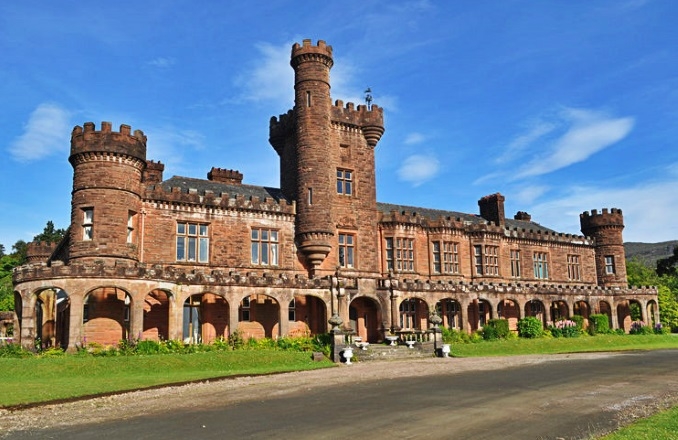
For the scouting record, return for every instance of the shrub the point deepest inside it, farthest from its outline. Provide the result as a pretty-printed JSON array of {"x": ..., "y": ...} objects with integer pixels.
[
  {"x": 568, "y": 328},
  {"x": 453, "y": 336},
  {"x": 530, "y": 327},
  {"x": 598, "y": 323},
  {"x": 579, "y": 320},
  {"x": 640, "y": 328},
  {"x": 659, "y": 329},
  {"x": 13, "y": 350},
  {"x": 495, "y": 329}
]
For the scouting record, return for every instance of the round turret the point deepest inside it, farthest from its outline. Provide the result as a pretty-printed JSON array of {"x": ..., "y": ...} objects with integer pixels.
[
  {"x": 314, "y": 185},
  {"x": 106, "y": 198},
  {"x": 606, "y": 230}
]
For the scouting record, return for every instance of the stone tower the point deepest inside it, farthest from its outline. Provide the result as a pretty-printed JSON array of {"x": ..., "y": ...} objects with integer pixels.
[
  {"x": 106, "y": 200},
  {"x": 327, "y": 164},
  {"x": 606, "y": 229}
]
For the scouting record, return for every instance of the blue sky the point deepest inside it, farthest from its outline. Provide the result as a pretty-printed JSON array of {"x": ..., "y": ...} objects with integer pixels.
[{"x": 562, "y": 106}]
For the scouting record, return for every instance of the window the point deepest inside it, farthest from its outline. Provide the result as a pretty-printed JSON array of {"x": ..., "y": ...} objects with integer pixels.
[
  {"x": 245, "y": 309},
  {"x": 573, "y": 268},
  {"x": 515, "y": 263},
  {"x": 400, "y": 254},
  {"x": 486, "y": 259},
  {"x": 346, "y": 250},
  {"x": 88, "y": 224},
  {"x": 292, "y": 315},
  {"x": 445, "y": 257},
  {"x": 408, "y": 313},
  {"x": 264, "y": 247},
  {"x": 609, "y": 265},
  {"x": 541, "y": 265},
  {"x": 130, "y": 227},
  {"x": 192, "y": 242},
  {"x": 344, "y": 182}
]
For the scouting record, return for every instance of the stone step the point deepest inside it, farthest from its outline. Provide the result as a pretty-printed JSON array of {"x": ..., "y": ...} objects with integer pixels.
[{"x": 384, "y": 352}]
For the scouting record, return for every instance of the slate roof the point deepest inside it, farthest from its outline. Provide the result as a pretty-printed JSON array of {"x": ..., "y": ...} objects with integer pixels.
[
  {"x": 247, "y": 191},
  {"x": 202, "y": 185}
]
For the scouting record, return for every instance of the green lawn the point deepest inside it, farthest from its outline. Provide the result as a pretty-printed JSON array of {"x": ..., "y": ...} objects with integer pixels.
[
  {"x": 41, "y": 379},
  {"x": 661, "y": 426},
  {"x": 565, "y": 345}
]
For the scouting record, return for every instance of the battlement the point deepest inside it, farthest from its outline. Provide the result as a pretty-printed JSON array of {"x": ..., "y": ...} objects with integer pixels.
[
  {"x": 594, "y": 220},
  {"x": 369, "y": 119},
  {"x": 220, "y": 200},
  {"x": 87, "y": 140},
  {"x": 39, "y": 251},
  {"x": 231, "y": 177},
  {"x": 308, "y": 52},
  {"x": 153, "y": 172}
]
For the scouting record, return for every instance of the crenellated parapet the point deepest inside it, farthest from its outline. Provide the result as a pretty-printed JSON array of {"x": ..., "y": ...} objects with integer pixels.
[
  {"x": 231, "y": 177},
  {"x": 280, "y": 130},
  {"x": 153, "y": 172},
  {"x": 593, "y": 221},
  {"x": 221, "y": 200},
  {"x": 517, "y": 289},
  {"x": 307, "y": 52},
  {"x": 369, "y": 119},
  {"x": 123, "y": 142},
  {"x": 173, "y": 274},
  {"x": 39, "y": 251}
]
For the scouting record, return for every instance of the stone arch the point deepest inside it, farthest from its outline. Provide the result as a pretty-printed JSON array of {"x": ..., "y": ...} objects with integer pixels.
[
  {"x": 52, "y": 317},
  {"x": 156, "y": 315},
  {"x": 205, "y": 318},
  {"x": 583, "y": 309},
  {"x": 559, "y": 310},
  {"x": 627, "y": 312},
  {"x": 509, "y": 309},
  {"x": 307, "y": 315},
  {"x": 479, "y": 312},
  {"x": 413, "y": 314},
  {"x": 106, "y": 315},
  {"x": 365, "y": 318},
  {"x": 652, "y": 313},
  {"x": 449, "y": 310},
  {"x": 259, "y": 316},
  {"x": 536, "y": 309}
]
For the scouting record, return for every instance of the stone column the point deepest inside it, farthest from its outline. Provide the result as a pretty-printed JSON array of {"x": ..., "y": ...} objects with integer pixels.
[
  {"x": 614, "y": 314},
  {"x": 75, "y": 324},
  {"x": 570, "y": 309},
  {"x": 27, "y": 324},
  {"x": 136, "y": 324},
  {"x": 233, "y": 316},
  {"x": 284, "y": 319}
]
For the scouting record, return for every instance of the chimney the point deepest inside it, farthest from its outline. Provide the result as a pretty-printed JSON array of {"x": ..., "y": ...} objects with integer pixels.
[
  {"x": 231, "y": 177},
  {"x": 153, "y": 172},
  {"x": 492, "y": 209},
  {"x": 522, "y": 215}
]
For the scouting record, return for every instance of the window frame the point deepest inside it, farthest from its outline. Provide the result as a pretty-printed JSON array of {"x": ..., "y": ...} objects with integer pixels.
[
  {"x": 610, "y": 267},
  {"x": 264, "y": 244},
  {"x": 346, "y": 250},
  {"x": 540, "y": 265},
  {"x": 192, "y": 242},
  {"x": 88, "y": 224},
  {"x": 400, "y": 254},
  {"x": 573, "y": 267},
  {"x": 345, "y": 182},
  {"x": 515, "y": 263}
]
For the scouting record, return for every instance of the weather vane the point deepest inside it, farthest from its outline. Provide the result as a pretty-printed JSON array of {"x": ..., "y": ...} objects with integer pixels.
[{"x": 368, "y": 98}]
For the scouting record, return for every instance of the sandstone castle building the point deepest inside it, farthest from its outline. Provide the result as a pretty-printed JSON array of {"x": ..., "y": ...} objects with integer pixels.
[{"x": 197, "y": 259}]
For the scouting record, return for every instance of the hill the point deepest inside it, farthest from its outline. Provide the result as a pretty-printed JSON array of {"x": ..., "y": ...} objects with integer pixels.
[{"x": 649, "y": 253}]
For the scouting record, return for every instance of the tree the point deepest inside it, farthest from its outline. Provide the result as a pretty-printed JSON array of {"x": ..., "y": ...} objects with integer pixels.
[
  {"x": 667, "y": 266},
  {"x": 20, "y": 248},
  {"x": 2, "y": 250},
  {"x": 667, "y": 289},
  {"x": 50, "y": 234}
]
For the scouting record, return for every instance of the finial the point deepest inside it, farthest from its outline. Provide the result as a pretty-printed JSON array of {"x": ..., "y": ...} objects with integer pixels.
[{"x": 368, "y": 98}]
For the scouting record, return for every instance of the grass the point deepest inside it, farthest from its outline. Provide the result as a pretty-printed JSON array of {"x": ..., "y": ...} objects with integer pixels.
[
  {"x": 42, "y": 379},
  {"x": 661, "y": 426},
  {"x": 517, "y": 346}
]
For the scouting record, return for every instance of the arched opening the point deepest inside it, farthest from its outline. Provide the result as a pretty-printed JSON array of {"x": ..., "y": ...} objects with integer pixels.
[
  {"x": 479, "y": 312},
  {"x": 205, "y": 318},
  {"x": 582, "y": 308},
  {"x": 15, "y": 330},
  {"x": 365, "y": 315},
  {"x": 510, "y": 310},
  {"x": 106, "y": 316},
  {"x": 52, "y": 318},
  {"x": 413, "y": 314},
  {"x": 450, "y": 311},
  {"x": 652, "y": 313},
  {"x": 559, "y": 310},
  {"x": 628, "y": 312},
  {"x": 307, "y": 315},
  {"x": 259, "y": 317},
  {"x": 604, "y": 308},
  {"x": 535, "y": 308},
  {"x": 156, "y": 315}
]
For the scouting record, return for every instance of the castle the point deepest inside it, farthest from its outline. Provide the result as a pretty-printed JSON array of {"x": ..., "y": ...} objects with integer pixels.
[{"x": 195, "y": 259}]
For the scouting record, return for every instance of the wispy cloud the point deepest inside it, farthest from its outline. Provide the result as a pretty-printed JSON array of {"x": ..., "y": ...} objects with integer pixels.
[
  {"x": 587, "y": 133},
  {"x": 644, "y": 206},
  {"x": 162, "y": 62},
  {"x": 523, "y": 141},
  {"x": 414, "y": 139},
  {"x": 43, "y": 134},
  {"x": 173, "y": 146},
  {"x": 417, "y": 169}
]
